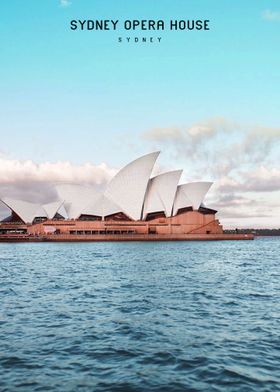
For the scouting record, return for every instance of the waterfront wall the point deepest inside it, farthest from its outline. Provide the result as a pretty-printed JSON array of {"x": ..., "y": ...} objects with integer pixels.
[
  {"x": 191, "y": 222},
  {"x": 124, "y": 237}
]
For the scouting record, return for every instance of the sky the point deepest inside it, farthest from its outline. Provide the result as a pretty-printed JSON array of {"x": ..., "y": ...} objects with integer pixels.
[{"x": 78, "y": 105}]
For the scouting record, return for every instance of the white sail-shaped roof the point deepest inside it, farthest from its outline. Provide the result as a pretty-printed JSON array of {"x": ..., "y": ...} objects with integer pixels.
[
  {"x": 181, "y": 200},
  {"x": 102, "y": 207},
  {"x": 161, "y": 193},
  {"x": 196, "y": 191},
  {"x": 52, "y": 208},
  {"x": 190, "y": 195},
  {"x": 62, "y": 211},
  {"x": 76, "y": 198},
  {"x": 127, "y": 189},
  {"x": 131, "y": 192},
  {"x": 25, "y": 210}
]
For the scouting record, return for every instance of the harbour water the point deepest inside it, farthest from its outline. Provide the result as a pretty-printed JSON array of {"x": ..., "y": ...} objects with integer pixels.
[{"x": 163, "y": 316}]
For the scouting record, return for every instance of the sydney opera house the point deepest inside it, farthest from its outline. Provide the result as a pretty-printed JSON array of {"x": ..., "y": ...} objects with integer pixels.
[{"x": 134, "y": 206}]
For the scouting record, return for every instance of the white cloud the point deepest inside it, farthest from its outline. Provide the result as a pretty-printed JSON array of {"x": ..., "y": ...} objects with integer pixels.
[
  {"x": 216, "y": 147},
  {"x": 14, "y": 171},
  {"x": 164, "y": 134},
  {"x": 242, "y": 160},
  {"x": 198, "y": 130},
  {"x": 34, "y": 182},
  {"x": 65, "y": 3},
  {"x": 271, "y": 16},
  {"x": 261, "y": 179}
]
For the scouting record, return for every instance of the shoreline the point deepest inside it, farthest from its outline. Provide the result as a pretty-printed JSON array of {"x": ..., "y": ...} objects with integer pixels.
[{"x": 125, "y": 237}]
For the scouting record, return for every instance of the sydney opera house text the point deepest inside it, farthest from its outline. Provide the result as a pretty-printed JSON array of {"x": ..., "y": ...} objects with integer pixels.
[{"x": 140, "y": 25}]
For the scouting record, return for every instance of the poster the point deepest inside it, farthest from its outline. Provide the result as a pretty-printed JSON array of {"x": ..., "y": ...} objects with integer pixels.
[{"x": 104, "y": 285}]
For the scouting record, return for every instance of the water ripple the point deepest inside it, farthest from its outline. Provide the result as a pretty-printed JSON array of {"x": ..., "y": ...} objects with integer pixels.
[{"x": 140, "y": 317}]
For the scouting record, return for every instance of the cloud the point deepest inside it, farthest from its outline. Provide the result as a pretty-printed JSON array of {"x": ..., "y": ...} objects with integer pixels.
[
  {"x": 262, "y": 179},
  {"x": 242, "y": 160},
  {"x": 14, "y": 171},
  {"x": 65, "y": 3},
  {"x": 196, "y": 132},
  {"x": 31, "y": 181},
  {"x": 164, "y": 134},
  {"x": 235, "y": 210},
  {"x": 216, "y": 146},
  {"x": 229, "y": 200},
  {"x": 271, "y": 16}
]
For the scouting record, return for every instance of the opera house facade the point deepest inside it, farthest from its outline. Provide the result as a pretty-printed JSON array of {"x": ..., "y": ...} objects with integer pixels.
[{"x": 133, "y": 206}]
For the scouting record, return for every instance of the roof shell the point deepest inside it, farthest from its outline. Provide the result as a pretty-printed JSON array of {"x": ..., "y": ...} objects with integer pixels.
[
  {"x": 102, "y": 207},
  {"x": 62, "y": 211},
  {"x": 128, "y": 188},
  {"x": 76, "y": 198},
  {"x": 25, "y": 210},
  {"x": 161, "y": 193},
  {"x": 52, "y": 208},
  {"x": 181, "y": 200},
  {"x": 196, "y": 192},
  {"x": 131, "y": 192},
  {"x": 191, "y": 195}
]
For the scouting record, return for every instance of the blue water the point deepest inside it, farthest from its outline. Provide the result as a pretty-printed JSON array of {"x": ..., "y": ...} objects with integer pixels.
[{"x": 173, "y": 316}]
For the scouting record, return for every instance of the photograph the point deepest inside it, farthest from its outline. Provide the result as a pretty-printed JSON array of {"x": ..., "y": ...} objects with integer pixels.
[{"x": 139, "y": 196}]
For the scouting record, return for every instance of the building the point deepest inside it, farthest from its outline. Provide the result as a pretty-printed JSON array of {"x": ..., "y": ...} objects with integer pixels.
[{"x": 133, "y": 204}]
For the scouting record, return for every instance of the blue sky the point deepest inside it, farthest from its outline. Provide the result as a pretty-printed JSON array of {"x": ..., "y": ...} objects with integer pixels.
[{"x": 84, "y": 97}]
